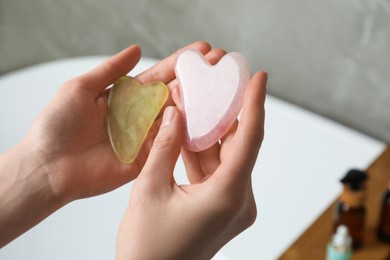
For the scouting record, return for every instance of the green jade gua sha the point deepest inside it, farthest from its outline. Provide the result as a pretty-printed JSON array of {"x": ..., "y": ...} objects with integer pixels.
[{"x": 132, "y": 109}]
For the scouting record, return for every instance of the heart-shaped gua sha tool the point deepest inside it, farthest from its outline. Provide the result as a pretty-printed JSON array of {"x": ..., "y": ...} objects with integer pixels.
[
  {"x": 132, "y": 109},
  {"x": 211, "y": 96}
]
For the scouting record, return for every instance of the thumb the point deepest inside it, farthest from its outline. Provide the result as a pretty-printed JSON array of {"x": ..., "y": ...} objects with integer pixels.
[{"x": 165, "y": 151}]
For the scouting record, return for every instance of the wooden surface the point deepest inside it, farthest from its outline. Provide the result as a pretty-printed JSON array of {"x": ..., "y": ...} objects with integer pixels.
[{"x": 312, "y": 244}]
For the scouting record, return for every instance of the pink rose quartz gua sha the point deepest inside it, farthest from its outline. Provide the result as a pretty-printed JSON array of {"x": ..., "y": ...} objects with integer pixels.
[{"x": 211, "y": 96}]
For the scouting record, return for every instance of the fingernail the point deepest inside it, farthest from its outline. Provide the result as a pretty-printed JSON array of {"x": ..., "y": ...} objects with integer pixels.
[{"x": 169, "y": 114}]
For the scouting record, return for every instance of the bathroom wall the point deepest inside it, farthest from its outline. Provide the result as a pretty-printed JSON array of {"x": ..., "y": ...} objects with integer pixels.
[{"x": 331, "y": 57}]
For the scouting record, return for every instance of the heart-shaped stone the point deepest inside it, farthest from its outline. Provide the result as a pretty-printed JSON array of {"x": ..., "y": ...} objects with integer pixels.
[
  {"x": 211, "y": 96},
  {"x": 132, "y": 109}
]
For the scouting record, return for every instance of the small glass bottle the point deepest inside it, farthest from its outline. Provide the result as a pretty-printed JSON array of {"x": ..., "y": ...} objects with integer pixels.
[
  {"x": 384, "y": 219},
  {"x": 350, "y": 210},
  {"x": 339, "y": 247}
]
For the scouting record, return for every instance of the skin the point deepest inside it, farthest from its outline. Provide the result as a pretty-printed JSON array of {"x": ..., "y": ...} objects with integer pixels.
[
  {"x": 67, "y": 156},
  {"x": 168, "y": 221}
]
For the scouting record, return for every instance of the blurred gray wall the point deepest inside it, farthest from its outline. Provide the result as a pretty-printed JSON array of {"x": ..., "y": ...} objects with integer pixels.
[{"x": 331, "y": 57}]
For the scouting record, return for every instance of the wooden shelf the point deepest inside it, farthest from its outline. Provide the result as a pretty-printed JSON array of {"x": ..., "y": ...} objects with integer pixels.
[{"x": 312, "y": 244}]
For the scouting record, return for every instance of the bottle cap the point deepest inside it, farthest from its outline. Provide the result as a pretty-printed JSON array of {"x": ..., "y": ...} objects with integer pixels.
[
  {"x": 342, "y": 239},
  {"x": 355, "y": 179}
]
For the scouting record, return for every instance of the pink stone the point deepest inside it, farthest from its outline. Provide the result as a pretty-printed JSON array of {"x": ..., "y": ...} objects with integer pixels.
[{"x": 211, "y": 96}]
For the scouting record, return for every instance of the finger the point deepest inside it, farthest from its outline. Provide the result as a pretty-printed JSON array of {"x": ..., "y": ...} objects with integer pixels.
[
  {"x": 176, "y": 97},
  {"x": 247, "y": 140},
  {"x": 230, "y": 133},
  {"x": 164, "y": 70},
  {"x": 192, "y": 166},
  {"x": 215, "y": 55},
  {"x": 159, "y": 167},
  {"x": 226, "y": 141},
  {"x": 99, "y": 78},
  {"x": 209, "y": 159}
]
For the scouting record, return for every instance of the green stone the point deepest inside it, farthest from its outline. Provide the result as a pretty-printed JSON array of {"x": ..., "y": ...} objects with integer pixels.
[{"x": 132, "y": 109}]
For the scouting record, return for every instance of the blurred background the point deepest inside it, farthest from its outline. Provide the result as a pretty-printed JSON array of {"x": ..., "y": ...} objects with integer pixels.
[{"x": 330, "y": 57}]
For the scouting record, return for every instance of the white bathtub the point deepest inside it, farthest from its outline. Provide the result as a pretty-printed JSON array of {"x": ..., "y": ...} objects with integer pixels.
[{"x": 296, "y": 176}]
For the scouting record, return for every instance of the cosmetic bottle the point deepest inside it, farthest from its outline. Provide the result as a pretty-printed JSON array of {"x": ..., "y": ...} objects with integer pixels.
[
  {"x": 339, "y": 247},
  {"x": 384, "y": 219},
  {"x": 350, "y": 210}
]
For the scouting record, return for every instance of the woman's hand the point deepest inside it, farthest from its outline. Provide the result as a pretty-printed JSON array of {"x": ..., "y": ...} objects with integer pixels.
[
  {"x": 67, "y": 155},
  {"x": 169, "y": 221},
  {"x": 70, "y": 137}
]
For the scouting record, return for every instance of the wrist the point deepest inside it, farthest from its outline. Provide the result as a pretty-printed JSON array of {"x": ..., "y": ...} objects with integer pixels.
[
  {"x": 40, "y": 165},
  {"x": 26, "y": 193}
]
